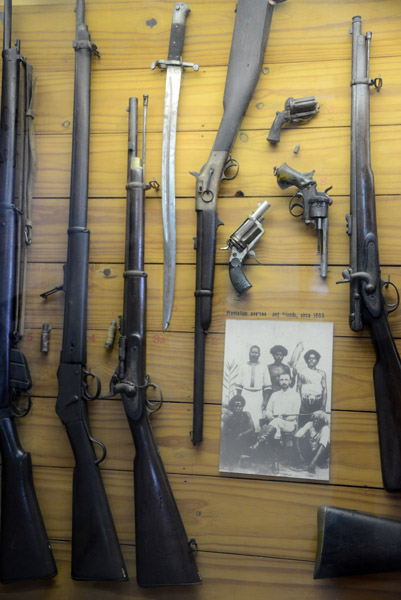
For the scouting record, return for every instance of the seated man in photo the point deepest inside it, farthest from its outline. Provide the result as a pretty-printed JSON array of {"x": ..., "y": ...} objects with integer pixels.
[
  {"x": 313, "y": 441},
  {"x": 237, "y": 431},
  {"x": 281, "y": 416}
]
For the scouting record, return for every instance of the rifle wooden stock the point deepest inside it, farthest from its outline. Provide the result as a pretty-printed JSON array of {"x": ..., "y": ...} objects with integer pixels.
[
  {"x": 96, "y": 554},
  {"x": 25, "y": 551},
  {"x": 164, "y": 555},
  {"x": 355, "y": 543},
  {"x": 387, "y": 382},
  {"x": 251, "y": 31}
]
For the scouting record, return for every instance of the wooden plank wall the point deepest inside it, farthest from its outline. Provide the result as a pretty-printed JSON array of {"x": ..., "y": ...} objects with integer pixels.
[{"x": 256, "y": 537}]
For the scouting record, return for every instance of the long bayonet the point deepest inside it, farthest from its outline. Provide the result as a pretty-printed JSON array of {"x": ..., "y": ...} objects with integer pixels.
[
  {"x": 174, "y": 67},
  {"x": 251, "y": 30}
]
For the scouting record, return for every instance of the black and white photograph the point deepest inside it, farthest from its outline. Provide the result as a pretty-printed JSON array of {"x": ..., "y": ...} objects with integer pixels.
[{"x": 276, "y": 398}]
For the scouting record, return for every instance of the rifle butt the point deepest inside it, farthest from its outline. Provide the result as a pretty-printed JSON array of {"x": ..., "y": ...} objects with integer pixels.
[
  {"x": 355, "y": 543},
  {"x": 164, "y": 556},
  {"x": 25, "y": 551},
  {"x": 96, "y": 552},
  {"x": 387, "y": 383},
  {"x": 248, "y": 46}
]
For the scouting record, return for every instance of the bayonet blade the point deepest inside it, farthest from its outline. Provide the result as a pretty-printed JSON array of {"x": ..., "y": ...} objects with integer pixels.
[
  {"x": 173, "y": 82},
  {"x": 174, "y": 67}
]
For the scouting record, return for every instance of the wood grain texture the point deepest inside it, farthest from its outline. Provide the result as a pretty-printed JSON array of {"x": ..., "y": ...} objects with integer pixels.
[
  {"x": 256, "y": 535},
  {"x": 326, "y": 150},
  {"x": 223, "y": 574},
  {"x": 328, "y": 81}
]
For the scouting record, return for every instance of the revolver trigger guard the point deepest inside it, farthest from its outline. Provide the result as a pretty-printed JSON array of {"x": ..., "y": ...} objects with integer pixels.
[
  {"x": 296, "y": 205},
  {"x": 392, "y": 306}
]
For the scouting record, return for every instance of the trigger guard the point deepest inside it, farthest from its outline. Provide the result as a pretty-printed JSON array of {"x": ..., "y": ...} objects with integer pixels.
[
  {"x": 232, "y": 163},
  {"x": 393, "y": 305},
  {"x": 87, "y": 394},
  {"x": 237, "y": 276},
  {"x": 296, "y": 205}
]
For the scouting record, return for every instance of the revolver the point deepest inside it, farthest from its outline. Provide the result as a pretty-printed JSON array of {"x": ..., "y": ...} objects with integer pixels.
[
  {"x": 296, "y": 110},
  {"x": 241, "y": 242},
  {"x": 308, "y": 203}
]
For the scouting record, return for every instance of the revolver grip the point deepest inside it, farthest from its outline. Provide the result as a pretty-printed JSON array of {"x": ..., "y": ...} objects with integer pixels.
[
  {"x": 275, "y": 130},
  {"x": 237, "y": 276}
]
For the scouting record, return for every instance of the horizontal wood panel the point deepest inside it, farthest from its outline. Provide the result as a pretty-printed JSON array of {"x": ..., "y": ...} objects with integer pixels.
[
  {"x": 325, "y": 150},
  {"x": 287, "y": 240},
  {"x": 354, "y": 459},
  {"x": 278, "y": 292},
  {"x": 125, "y": 32},
  {"x": 222, "y": 573},
  {"x": 328, "y": 81},
  {"x": 352, "y": 369},
  {"x": 275, "y": 519}
]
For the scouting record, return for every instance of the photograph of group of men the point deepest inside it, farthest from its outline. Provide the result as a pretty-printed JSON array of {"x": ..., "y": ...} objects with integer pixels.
[{"x": 276, "y": 410}]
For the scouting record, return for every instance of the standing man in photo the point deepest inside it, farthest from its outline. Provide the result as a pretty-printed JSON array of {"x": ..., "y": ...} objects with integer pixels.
[
  {"x": 312, "y": 386},
  {"x": 253, "y": 383}
]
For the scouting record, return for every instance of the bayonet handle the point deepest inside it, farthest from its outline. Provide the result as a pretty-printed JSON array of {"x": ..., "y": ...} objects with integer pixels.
[{"x": 177, "y": 35}]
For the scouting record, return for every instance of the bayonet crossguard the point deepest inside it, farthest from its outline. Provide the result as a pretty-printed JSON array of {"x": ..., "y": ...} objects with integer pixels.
[{"x": 163, "y": 64}]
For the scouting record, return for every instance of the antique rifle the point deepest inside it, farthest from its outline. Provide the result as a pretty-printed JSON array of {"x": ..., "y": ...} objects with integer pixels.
[
  {"x": 25, "y": 551},
  {"x": 96, "y": 552},
  {"x": 164, "y": 556},
  {"x": 251, "y": 30},
  {"x": 355, "y": 543},
  {"x": 367, "y": 304}
]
